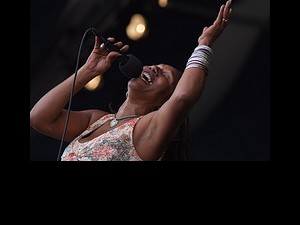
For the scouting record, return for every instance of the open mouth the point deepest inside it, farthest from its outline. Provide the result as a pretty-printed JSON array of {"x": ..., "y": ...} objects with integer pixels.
[{"x": 146, "y": 77}]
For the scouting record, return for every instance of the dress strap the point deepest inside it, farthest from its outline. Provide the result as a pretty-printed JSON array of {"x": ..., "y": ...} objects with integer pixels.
[{"x": 97, "y": 124}]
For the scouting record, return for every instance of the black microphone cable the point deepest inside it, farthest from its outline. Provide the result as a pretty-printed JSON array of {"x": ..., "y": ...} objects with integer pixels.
[{"x": 71, "y": 95}]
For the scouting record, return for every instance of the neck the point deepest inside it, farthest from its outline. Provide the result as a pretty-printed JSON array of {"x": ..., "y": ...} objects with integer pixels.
[{"x": 132, "y": 108}]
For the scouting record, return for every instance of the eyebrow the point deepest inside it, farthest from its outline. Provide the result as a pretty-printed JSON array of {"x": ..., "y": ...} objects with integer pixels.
[{"x": 164, "y": 66}]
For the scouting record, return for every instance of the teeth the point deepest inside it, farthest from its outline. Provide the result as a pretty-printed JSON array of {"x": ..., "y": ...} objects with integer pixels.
[{"x": 146, "y": 77}]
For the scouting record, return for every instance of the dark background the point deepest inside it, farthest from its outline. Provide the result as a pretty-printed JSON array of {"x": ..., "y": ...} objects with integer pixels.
[{"x": 231, "y": 121}]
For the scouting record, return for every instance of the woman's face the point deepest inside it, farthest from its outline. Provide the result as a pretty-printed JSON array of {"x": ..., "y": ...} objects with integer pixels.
[{"x": 156, "y": 82}]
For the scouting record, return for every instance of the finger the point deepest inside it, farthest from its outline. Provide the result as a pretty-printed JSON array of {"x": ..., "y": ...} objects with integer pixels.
[
  {"x": 97, "y": 42},
  {"x": 220, "y": 14},
  {"x": 227, "y": 17},
  {"x": 227, "y": 10},
  {"x": 124, "y": 49},
  {"x": 204, "y": 29},
  {"x": 119, "y": 44},
  {"x": 111, "y": 39},
  {"x": 103, "y": 47},
  {"x": 112, "y": 56}
]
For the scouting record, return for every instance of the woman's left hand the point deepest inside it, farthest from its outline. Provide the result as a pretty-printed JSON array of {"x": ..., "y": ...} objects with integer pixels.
[{"x": 211, "y": 33}]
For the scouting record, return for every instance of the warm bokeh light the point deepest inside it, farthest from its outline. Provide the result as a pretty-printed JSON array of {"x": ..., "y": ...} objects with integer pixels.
[
  {"x": 140, "y": 28},
  {"x": 163, "y": 3},
  {"x": 137, "y": 27},
  {"x": 94, "y": 84}
]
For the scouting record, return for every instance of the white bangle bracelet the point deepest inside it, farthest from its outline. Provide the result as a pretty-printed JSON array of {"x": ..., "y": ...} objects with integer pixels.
[{"x": 201, "y": 58}]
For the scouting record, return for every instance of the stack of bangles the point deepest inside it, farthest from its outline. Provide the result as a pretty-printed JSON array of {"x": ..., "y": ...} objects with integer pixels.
[{"x": 201, "y": 58}]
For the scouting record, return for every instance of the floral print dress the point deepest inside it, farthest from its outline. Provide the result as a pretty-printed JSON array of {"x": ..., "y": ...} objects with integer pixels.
[{"x": 114, "y": 145}]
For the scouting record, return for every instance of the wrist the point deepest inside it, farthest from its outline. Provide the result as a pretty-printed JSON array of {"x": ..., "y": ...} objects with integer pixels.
[
  {"x": 204, "y": 41},
  {"x": 201, "y": 58},
  {"x": 89, "y": 71}
]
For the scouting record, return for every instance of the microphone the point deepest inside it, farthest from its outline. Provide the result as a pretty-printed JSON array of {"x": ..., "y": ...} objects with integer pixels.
[{"x": 129, "y": 64}]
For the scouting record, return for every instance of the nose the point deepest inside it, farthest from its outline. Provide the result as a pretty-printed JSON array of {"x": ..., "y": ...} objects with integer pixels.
[{"x": 153, "y": 69}]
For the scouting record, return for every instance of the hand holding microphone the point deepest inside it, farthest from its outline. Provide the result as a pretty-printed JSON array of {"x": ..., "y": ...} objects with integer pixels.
[{"x": 129, "y": 64}]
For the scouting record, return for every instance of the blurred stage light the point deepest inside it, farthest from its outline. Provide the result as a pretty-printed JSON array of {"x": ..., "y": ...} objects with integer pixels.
[
  {"x": 94, "y": 84},
  {"x": 163, "y": 3},
  {"x": 137, "y": 27}
]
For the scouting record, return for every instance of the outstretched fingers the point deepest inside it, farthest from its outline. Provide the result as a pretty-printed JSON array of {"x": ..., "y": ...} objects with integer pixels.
[
  {"x": 227, "y": 10},
  {"x": 220, "y": 14},
  {"x": 225, "y": 13}
]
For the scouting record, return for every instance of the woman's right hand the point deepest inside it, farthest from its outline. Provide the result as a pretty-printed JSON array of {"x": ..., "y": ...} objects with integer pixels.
[{"x": 100, "y": 59}]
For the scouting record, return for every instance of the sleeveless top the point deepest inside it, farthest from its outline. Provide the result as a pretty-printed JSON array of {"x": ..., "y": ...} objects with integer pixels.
[{"x": 114, "y": 145}]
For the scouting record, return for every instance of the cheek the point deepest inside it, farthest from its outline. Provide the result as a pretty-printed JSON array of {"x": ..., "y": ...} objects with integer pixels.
[
  {"x": 163, "y": 88},
  {"x": 163, "y": 82}
]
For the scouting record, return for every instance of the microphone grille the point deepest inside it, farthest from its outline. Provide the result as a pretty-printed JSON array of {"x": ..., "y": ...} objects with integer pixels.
[{"x": 132, "y": 68}]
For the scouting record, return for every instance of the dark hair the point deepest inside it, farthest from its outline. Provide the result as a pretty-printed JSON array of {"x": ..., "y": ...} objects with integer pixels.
[{"x": 179, "y": 148}]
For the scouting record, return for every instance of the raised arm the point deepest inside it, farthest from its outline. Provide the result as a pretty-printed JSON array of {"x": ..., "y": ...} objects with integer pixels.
[
  {"x": 48, "y": 115},
  {"x": 191, "y": 84}
]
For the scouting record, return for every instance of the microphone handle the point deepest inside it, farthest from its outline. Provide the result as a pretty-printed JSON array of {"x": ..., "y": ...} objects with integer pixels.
[
  {"x": 129, "y": 65},
  {"x": 110, "y": 46}
]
